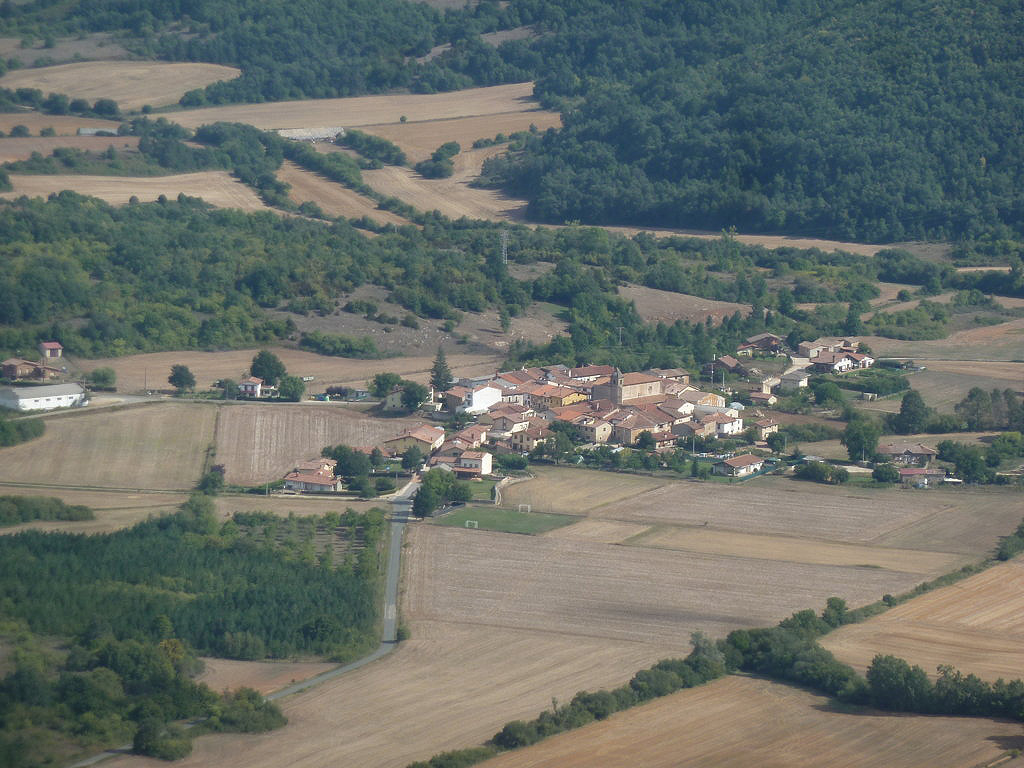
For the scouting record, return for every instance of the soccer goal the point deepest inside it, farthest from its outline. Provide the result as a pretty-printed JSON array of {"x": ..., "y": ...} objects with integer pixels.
[
  {"x": 472, "y": 524},
  {"x": 524, "y": 508}
]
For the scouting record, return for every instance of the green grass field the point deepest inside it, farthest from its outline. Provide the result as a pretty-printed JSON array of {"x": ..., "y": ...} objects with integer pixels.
[
  {"x": 505, "y": 520},
  {"x": 483, "y": 489}
]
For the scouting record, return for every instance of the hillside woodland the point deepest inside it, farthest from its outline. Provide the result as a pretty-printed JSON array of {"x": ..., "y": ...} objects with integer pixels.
[{"x": 872, "y": 120}]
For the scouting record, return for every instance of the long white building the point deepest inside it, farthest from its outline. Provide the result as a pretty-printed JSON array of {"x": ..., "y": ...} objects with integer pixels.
[{"x": 44, "y": 398}]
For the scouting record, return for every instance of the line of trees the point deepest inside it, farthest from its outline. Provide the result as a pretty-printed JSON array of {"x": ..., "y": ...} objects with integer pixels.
[{"x": 23, "y": 509}]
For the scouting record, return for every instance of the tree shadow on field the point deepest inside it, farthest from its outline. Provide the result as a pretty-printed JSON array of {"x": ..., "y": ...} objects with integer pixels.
[{"x": 1008, "y": 743}]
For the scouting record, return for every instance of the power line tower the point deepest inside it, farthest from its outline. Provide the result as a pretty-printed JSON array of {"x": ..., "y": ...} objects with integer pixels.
[{"x": 504, "y": 247}]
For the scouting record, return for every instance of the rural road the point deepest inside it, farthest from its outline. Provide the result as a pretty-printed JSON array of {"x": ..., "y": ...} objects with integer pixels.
[{"x": 401, "y": 507}]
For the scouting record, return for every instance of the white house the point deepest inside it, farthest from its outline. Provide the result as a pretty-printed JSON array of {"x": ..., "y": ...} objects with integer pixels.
[
  {"x": 44, "y": 398},
  {"x": 725, "y": 425},
  {"x": 317, "y": 475},
  {"x": 251, "y": 387},
  {"x": 739, "y": 466},
  {"x": 480, "y": 399},
  {"x": 473, "y": 464}
]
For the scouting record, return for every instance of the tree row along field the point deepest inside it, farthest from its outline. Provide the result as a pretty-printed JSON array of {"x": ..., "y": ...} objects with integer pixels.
[
  {"x": 150, "y": 371},
  {"x": 977, "y": 625},
  {"x": 736, "y": 722}
]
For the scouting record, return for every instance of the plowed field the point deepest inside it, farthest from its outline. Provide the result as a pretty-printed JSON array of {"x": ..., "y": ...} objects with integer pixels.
[
  {"x": 977, "y": 625},
  {"x": 261, "y": 442},
  {"x": 160, "y": 446},
  {"x": 215, "y": 187},
  {"x": 739, "y": 722},
  {"x": 132, "y": 84}
]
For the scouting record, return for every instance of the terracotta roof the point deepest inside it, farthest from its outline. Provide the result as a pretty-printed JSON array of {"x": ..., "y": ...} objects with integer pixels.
[
  {"x": 767, "y": 423},
  {"x": 629, "y": 379},
  {"x": 592, "y": 370},
  {"x": 251, "y": 380},
  {"x": 719, "y": 418},
  {"x": 893, "y": 449},
  {"x": 472, "y": 455},
  {"x": 51, "y": 345}
]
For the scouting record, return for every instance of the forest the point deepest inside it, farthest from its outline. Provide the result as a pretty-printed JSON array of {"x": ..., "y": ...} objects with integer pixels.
[
  {"x": 871, "y": 120},
  {"x": 105, "y": 630}
]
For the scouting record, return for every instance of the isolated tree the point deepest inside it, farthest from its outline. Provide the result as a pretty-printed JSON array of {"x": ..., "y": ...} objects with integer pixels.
[
  {"x": 776, "y": 441},
  {"x": 425, "y": 501},
  {"x": 412, "y": 458},
  {"x": 181, "y": 378},
  {"x": 976, "y": 409},
  {"x": 413, "y": 395},
  {"x": 885, "y": 473},
  {"x": 383, "y": 383},
  {"x": 292, "y": 388},
  {"x": 645, "y": 441},
  {"x": 440, "y": 373},
  {"x": 861, "y": 438},
  {"x": 913, "y": 414},
  {"x": 267, "y": 366},
  {"x": 230, "y": 387},
  {"x": 103, "y": 378}
]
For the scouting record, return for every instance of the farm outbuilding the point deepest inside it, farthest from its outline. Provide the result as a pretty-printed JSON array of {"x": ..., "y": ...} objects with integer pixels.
[{"x": 45, "y": 398}]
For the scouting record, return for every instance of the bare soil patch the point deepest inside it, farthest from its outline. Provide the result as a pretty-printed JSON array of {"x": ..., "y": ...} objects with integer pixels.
[
  {"x": 63, "y": 125},
  {"x": 132, "y": 84},
  {"x": 150, "y": 371},
  {"x": 333, "y": 198},
  {"x": 959, "y": 521},
  {"x": 160, "y": 447},
  {"x": 284, "y": 505},
  {"x": 22, "y": 148},
  {"x": 768, "y": 241},
  {"x": 261, "y": 442},
  {"x": 114, "y": 510},
  {"x": 737, "y": 722},
  {"x": 215, "y": 187},
  {"x": 655, "y": 305},
  {"x": 367, "y": 110},
  {"x": 599, "y": 531},
  {"x": 977, "y": 625},
  {"x": 264, "y": 676},
  {"x": 419, "y": 139}
]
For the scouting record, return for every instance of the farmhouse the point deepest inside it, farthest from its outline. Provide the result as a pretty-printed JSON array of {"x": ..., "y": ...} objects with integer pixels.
[
  {"x": 479, "y": 399},
  {"x": 908, "y": 454},
  {"x": 251, "y": 387},
  {"x": 921, "y": 476},
  {"x": 424, "y": 437},
  {"x": 51, "y": 350},
  {"x": 762, "y": 342},
  {"x": 766, "y": 427},
  {"x": 45, "y": 398},
  {"x": 528, "y": 439},
  {"x": 724, "y": 363},
  {"x": 840, "y": 362},
  {"x": 16, "y": 368},
  {"x": 739, "y": 466},
  {"x": 763, "y": 398},
  {"x": 317, "y": 476}
]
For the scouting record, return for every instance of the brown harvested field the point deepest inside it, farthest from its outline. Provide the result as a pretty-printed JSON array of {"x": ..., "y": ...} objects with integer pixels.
[
  {"x": 738, "y": 722},
  {"x": 114, "y": 510},
  {"x": 655, "y": 305},
  {"x": 996, "y": 342},
  {"x": 333, "y": 198},
  {"x": 215, "y": 187},
  {"x": 977, "y": 625},
  {"x": 797, "y": 550},
  {"x": 264, "y": 676},
  {"x": 959, "y": 521},
  {"x": 22, "y": 149},
  {"x": 132, "y": 84},
  {"x": 154, "y": 447},
  {"x": 367, "y": 110},
  {"x": 589, "y": 589},
  {"x": 64, "y": 125},
  {"x": 257, "y": 443},
  {"x": 447, "y": 687},
  {"x": 453, "y": 196},
  {"x": 419, "y": 139},
  {"x": 599, "y": 531},
  {"x": 137, "y": 372}
]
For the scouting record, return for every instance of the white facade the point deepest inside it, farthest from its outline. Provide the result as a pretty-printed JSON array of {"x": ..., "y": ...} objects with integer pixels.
[
  {"x": 481, "y": 399},
  {"x": 42, "y": 398}
]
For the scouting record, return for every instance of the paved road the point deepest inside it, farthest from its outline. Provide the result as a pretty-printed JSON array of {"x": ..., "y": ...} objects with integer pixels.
[{"x": 401, "y": 508}]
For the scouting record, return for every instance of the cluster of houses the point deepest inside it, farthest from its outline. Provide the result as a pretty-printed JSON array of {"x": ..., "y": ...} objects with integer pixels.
[{"x": 36, "y": 395}]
